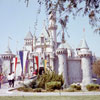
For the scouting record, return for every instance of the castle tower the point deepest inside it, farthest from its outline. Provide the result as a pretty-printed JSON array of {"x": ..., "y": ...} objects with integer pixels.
[
  {"x": 53, "y": 27},
  {"x": 28, "y": 41},
  {"x": 34, "y": 42},
  {"x": 52, "y": 56},
  {"x": 62, "y": 59},
  {"x": 86, "y": 66},
  {"x": 7, "y": 58}
]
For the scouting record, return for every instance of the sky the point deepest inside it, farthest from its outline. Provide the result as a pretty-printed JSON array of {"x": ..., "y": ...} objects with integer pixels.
[{"x": 16, "y": 20}]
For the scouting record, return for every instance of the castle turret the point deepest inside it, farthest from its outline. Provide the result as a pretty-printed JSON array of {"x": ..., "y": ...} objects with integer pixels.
[
  {"x": 34, "y": 42},
  {"x": 7, "y": 61},
  {"x": 52, "y": 56},
  {"x": 85, "y": 55},
  {"x": 53, "y": 27},
  {"x": 62, "y": 59},
  {"x": 28, "y": 41}
]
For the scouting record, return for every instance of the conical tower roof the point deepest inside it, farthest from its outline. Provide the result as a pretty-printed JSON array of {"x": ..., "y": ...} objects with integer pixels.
[
  {"x": 44, "y": 31},
  {"x": 29, "y": 36},
  {"x": 65, "y": 45},
  {"x": 83, "y": 44}
]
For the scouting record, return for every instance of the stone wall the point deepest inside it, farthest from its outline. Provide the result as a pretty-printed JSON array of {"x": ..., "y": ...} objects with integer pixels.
[{"x": 74, "y": 71}]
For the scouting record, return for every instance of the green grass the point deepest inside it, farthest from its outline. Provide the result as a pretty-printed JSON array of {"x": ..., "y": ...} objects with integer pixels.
[{"x": 50, "y": 98}]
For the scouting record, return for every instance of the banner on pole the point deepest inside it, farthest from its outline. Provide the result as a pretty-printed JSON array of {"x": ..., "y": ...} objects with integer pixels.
[
  {"x": 45, "y": 64},
  {"x": 15, "y": 63},
  {"x": 24, "y": 60},
  {"x": 37, "y": 63},
  {"x": 26, "y": 67},
  {"x": 21, "y": 59}
]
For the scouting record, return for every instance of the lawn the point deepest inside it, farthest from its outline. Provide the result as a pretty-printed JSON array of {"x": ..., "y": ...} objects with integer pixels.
[{"x": 50, "y": 98}]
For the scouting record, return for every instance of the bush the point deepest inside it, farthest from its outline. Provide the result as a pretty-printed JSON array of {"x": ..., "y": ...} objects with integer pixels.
[
  {"x": 70, "y": 90},
  {"x": 76, "y": 87},
  {"x": 37, "y": 90},
  {"x": 50, "y": 86},
  {"x": 92, "y": 87},
  {"x": 25, "y": 89},
  {"x": 48, "y": 77}
]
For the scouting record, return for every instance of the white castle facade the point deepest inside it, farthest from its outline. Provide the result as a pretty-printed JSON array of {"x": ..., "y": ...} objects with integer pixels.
[{"x": 75, "y": 65}]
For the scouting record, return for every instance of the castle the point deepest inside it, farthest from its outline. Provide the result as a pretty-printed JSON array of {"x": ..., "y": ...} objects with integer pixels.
[{"x": 75, "y": 65}]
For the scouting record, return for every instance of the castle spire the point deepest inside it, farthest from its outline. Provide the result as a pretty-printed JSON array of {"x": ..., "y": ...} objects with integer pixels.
[
  {"x": 63, "y": 39},
  {"x": 8, "y": 50},
  {"x": 53, "y": 27},
  {"x": 29, "y": 36},
  {"x": 84, "y": 44}
]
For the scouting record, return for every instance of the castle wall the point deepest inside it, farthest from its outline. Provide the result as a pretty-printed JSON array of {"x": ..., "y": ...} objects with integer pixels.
[
  {"x": 6, "y": 67},
  {"x": 56, "y": 65},
  {"x": 74, "y": 70},
  {"x": 28, "y": 47}
]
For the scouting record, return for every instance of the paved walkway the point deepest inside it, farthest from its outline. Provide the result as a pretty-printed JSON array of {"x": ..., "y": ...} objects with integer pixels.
[{"x": 4, "y": 91}]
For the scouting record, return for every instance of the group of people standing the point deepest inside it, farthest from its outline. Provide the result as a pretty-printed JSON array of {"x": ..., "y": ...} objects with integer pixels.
[{"x": 11, "y": 79}]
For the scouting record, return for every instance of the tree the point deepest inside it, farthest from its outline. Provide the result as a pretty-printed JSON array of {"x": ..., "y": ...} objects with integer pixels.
[
  {"x": 65, "y": 8},
  {"x": 96, "y": 68}
]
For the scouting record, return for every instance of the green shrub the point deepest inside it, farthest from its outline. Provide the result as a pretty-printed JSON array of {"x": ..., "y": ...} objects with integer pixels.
[
  {"x": 37, "y": 90},
  {"x": 76, "y": 87},
  {"x": 50, "y": 86},
  {"x": 92, "y": 87},
  {"x": 25, "y": 89},
  {"x": 48, "y": 77},
  {"x": 70, "y": 90}
]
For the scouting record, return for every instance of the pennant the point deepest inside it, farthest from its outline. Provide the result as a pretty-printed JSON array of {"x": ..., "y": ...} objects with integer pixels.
[
  {"x": 45, "y": 65},
  {"x": 24, "y": 60},
  {"x": 21, "y": 59},
  {"x": 36, "y": 57},
  {"x": 26, "y": 67},
  {"x": 15, "y": 63}
]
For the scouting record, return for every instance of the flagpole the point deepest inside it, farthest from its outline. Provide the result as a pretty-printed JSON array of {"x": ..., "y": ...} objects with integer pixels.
[{"x": 8, "y": 41}]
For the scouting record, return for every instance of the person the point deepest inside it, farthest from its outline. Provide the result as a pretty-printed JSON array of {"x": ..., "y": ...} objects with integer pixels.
[
  {"x": 1, "y": 77},
  {"x": 9, "y": 79},
  {"x": 12, "y": 79}
]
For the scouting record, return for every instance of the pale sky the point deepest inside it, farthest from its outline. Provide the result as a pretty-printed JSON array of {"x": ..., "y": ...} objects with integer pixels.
[{"x": 16, "y": 18}]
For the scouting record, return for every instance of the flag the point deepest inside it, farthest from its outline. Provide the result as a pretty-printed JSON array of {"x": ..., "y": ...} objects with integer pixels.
[
  {"x": 45, "y": 64},
  {"x": 15, "y": 63},
  {"x": 26, "y": 67},
  {"x": 24, "y": 60},
  {"x": 37, "y": 62},
  {"x": 21, "y": 59}
]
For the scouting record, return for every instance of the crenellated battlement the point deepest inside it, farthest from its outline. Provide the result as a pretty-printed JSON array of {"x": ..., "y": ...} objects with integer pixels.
[
  {"x": 85, "y": 53},
  {"x": 61, "y": 51}
]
